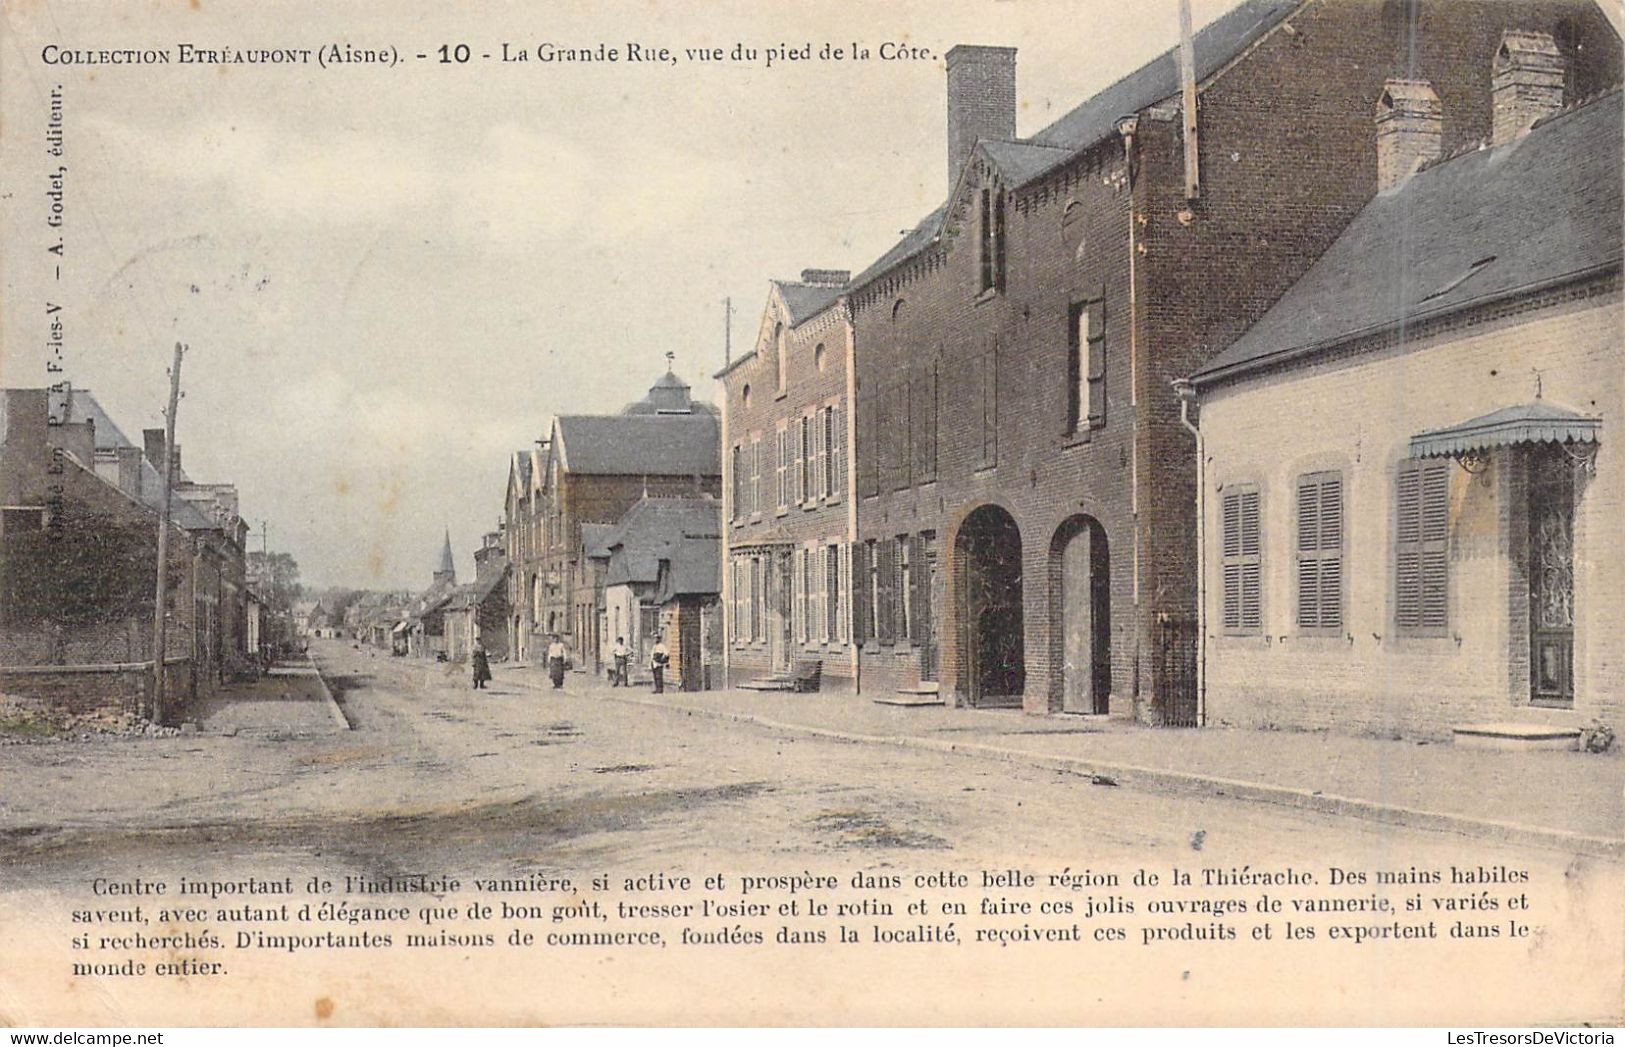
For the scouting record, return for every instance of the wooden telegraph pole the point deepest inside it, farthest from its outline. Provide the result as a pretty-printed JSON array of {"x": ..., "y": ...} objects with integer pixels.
[{"x": 160, "y": 619}]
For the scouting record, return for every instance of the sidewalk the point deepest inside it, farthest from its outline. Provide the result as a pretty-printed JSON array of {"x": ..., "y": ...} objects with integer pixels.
[
  {"x": 1565, "y": 799},
  {"x": 289, "y": 702}
]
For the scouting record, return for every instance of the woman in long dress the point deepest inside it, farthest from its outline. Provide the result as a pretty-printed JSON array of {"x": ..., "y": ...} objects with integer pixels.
[
  {"x": 555, "y": 662},
  {"x": 481, "y": 665}
]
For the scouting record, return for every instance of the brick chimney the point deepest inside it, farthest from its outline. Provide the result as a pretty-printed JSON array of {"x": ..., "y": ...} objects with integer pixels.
[
  {"x": 826, "y": 277},
  {"x": 1526, "y": 83},
  {"x": 981, "y": 101},
  {"x": 1410, "y": 130},
  {"x": 129, "y": 470},
  {"x": 153, "y": 442}
]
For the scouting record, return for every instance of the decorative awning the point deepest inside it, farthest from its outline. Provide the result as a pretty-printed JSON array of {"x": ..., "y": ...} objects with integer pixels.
[{"x": 1533, "y": 423}]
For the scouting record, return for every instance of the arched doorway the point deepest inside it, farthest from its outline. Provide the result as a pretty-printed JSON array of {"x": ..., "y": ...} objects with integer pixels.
[
  {"x": 992, "y": 663},
  {"x": 1080, "y": 614}
]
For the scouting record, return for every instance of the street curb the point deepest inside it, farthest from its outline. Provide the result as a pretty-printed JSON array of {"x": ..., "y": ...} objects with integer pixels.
[
  {"x": 327, "y": 692},
  {"x": 1184, "y": 783}
]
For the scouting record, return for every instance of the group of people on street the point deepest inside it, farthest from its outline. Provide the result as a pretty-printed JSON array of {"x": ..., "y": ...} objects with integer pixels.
[{"x": 558, "y": 656}]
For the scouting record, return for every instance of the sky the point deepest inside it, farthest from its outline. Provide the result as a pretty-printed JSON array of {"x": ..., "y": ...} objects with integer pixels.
[{"x": 389, "y": 278}]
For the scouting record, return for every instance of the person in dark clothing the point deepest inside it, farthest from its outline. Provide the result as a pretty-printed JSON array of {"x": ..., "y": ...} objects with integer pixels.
[
  {"x": 555, "y": 662},
  {"x": 481, "y": 665},
  {"x": 659, "y": 658}
]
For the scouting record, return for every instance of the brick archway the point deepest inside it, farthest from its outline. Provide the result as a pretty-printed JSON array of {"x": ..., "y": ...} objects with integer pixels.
[
  {"x": 1080, "y": 617},
  {"x": 991, "y": 666}
]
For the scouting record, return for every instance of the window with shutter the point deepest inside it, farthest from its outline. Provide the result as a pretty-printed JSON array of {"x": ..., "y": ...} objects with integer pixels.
[
  {"x": 885, "y": 628},
  {"x": 736, "y": 461},
  {"x": 904, "y": 584},
  {"x": 756, "y": 475},
  {"x": 1320, "y": 552},
  {"x": 868, "y": 448},
  {"x": 1095, "y": 346},
  {"x": 838, "y": 425},
  {"x": 803, "y": 452},
  {"x": 784, "y": 492},
  {"x": 832, "y": 593},
  {"x": 820, "y": 452},
  {"x": 1242, "y": 611},
  {"x": 1421, "y": 546}
]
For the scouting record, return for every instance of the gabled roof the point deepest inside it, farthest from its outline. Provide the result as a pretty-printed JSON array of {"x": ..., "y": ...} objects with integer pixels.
[
  {"x": 1479, "y": 226},
  {"x": 1024, "y": 161},
  {"x": 658, "y": 529},
  {"x": 521, "y": 465},
  {"x": 640, "y": 444},
  {"x": 593, "y": 537},
  {"x": 81, "y": 406},
  {"x": 693, "y": 567},
  {"x": 805, "y": 301}
]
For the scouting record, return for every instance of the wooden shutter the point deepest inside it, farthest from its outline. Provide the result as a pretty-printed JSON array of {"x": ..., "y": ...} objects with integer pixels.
[
  {"x": 820, "y": 424},
  {"x": 1242, "y": 590},
  {"x": 920, "y": 584},
  {"x": 987, "y": 239},
  {"x": 886, "y": 564},
  {"x": 1421, "y": 539},
  {"x": 1320, "y": 551},
  {"x": 780, "y": 470},
  {"x": 859, "y": 588},
  {"x": 1095, "y": 352},
  {"x": 838, "y": 450}
]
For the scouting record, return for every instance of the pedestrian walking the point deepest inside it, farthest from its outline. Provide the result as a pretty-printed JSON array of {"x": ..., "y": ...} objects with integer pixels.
[
  {"x": 555, "y": 662},
  {"x": 617, "y": 672},
  {"x": 482, "y": 666},
  {"x": 659, "y": 658}
]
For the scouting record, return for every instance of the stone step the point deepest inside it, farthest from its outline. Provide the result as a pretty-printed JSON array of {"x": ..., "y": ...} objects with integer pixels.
[
  {"x": 910, "y": 699},
  {"x": 769, "y": 684},
  {"x": 923, "y": 687},
  {"x": 1515, "y": 736}
]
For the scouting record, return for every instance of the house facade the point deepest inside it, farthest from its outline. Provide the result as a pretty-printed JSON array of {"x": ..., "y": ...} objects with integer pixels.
[
  {"x": 788, "y": 499},
  {"x": 1412, "y": 490},
  {"x": 590, "y": 471},
  {"x": 1025, "y": 490},
  {"x": 478, "y": 610},
  {"x": 76, "y": 623},
  {"x": 660, "y": 580}
]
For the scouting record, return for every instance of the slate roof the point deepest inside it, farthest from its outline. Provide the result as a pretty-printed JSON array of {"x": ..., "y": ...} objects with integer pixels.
[
  {"x": 693, "y": 568},
  {"x": 1472, "y": 228},
  {"x": 804, "y": 301},
  {"x": 658, "y": 529},
  {"x": 1028, "y": 159},
  {"x": 593, "y": 536},
  {"x": 521, "y": 461},
  {"x": 642, "y": 444},
  {"x": 82, "y": 406}
]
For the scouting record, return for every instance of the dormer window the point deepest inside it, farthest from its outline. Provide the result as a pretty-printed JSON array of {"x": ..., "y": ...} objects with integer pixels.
[{"x": 992, "y": 239}]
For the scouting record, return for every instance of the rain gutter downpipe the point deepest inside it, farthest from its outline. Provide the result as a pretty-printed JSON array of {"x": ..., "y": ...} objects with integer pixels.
[{"x": 1185, "y": 389}]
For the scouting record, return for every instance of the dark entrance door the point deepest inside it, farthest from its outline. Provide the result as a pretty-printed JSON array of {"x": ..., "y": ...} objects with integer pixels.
[
  {"x": 925, "y": 554},
  {"x": 994, "y": 669},
  {"x": 1551, "y": 577},
  {"x": 1080, "y": 587}
]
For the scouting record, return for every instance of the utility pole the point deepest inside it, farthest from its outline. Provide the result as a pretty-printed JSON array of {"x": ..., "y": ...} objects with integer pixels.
[
  {"x": 727, "y": 331},
  {"x": 160, "y": 617}
]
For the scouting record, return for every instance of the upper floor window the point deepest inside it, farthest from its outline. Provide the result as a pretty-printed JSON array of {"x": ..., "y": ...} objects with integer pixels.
[
  {"x": 992, "y": 239},
  {"x": 1086, "y": 366},
  {"x": 779, "y": 356},
  {"x": 744, "y": 394}
]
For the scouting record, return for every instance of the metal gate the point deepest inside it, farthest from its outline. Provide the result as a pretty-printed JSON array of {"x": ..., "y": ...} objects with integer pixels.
[{"x": 1176, "y": 671}]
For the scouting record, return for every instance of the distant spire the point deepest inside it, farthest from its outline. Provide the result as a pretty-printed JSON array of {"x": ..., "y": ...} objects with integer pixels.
[{"x": 447, "y": 567}]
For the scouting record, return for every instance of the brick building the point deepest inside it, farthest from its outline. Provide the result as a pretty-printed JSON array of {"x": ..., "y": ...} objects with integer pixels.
[
  {"x": 788, "y": 499},
  {"x": 1025, "y": 488},
  {"x": 64, "y": 467},
  {"x": 586, "y": 475},
  {"x": 1411, "y": 502},
  {"x": 478, "y": 610}
]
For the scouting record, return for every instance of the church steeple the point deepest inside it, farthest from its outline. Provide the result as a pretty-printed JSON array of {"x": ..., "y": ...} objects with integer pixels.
[{"x": 447, "y": 571}]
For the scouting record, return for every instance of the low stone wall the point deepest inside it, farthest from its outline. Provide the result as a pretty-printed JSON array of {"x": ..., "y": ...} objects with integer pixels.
[{"x": 82, "y": 690}]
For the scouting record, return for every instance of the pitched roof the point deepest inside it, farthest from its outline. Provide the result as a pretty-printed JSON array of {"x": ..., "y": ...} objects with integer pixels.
[
  {"x": 593, "y": 536},
  {"x": 1478, "y": 226},
  {"x": 521, "y": 463},
  {"x": 804, "y": 301},
  {"x": 1094, "y": 119},
  {"x": 658, "y": 529},
  {"x": 641, "y": 444},
  {"x": 80, "y": 406},
  {"x": 693, "y": 567}
]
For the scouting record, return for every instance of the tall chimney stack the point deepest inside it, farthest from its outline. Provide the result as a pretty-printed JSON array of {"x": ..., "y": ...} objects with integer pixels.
[
  {"x": 981, "y": 101},
  {"x": 1526, "y": 83},
  {"x": 1410, "y": 130}
]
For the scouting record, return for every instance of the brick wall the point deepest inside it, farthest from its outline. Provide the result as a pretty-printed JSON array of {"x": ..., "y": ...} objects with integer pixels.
[
  {"x": 1357, "y": 414},
  {"x": 1287, "y": 158},
  {"x": 815, "y": 376}
]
